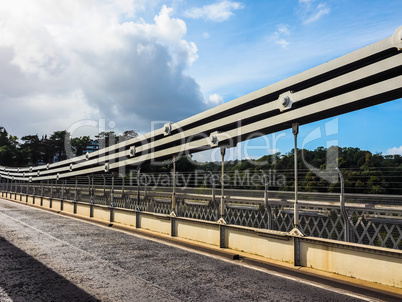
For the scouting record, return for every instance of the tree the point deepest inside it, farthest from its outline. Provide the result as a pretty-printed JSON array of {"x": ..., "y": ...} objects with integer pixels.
[
  {"x": 128, "y": 134},
  {"x": 106, "y": 139},
  {"x": 31, "y": 146},
  {"x": 80, "y": 144},
  {"x": 57, "y": 140},
  {"x": 9, "y": 155}
]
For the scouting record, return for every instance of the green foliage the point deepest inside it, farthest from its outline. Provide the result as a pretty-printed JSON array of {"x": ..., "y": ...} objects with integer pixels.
[
  {"x": 363, "y": 171},
  {"x": 32, "y": 150},
  {"x": 80, "y": 144}
]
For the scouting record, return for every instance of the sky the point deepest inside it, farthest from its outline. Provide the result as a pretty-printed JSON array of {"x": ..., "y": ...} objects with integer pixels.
[{"x": 100, "y": 65}]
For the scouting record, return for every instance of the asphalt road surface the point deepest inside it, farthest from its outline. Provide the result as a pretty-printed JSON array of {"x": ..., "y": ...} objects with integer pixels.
[{"x": 49, "y": 257}]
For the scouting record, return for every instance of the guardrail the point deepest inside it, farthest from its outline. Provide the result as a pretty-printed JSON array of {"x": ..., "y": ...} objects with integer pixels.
[
  {"x": 320, "y": 214},
  {"x": 363, "y": 78}
]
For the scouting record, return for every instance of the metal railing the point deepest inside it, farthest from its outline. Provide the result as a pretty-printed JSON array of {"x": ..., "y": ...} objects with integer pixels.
[
  {"x": 363, "y": 78},
  {"x": 320, "y": 214}
]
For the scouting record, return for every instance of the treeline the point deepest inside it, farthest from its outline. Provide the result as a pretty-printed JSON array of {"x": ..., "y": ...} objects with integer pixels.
[
  {"x": 363, "y": 171},
  {"x": 35, "y": 150}
]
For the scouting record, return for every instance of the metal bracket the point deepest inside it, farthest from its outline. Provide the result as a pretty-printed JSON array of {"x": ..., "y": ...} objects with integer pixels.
[
  {"x": 296, "y": 232},
  {"x": 222, "y": 221}
]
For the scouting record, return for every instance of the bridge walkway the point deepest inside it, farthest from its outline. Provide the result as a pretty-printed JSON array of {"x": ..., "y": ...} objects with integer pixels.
[{"x": 49, "y": 257}]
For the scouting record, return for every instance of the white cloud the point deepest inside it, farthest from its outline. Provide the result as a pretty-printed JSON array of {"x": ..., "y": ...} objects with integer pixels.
[
  {"x": 395, "y": 150},
  {"x": 309, "y": 12},
  {"x": 282, "y": 30},
  {"x": 64, "y": 61},
  {"x": 218, "y": 12},
  {"x": 214, "y": 100},
  {"x": 282, "y": 43},
  {"x": 205, "y": 35}
]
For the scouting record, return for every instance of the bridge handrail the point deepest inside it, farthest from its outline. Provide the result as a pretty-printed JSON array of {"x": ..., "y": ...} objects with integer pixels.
[{"x": 365, "y": 77}]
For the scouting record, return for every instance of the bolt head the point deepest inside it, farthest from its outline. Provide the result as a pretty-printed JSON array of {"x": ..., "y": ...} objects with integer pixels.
[
  {"x": 285, "y": 101},
  {"x": 214, "y": 139},
  {"x": 132, "y": 151}
]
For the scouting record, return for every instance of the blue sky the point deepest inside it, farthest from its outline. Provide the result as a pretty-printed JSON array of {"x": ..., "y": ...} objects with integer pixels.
[
  {"x": 97, "y": 65},
  {"x": 271, "y": 40}
]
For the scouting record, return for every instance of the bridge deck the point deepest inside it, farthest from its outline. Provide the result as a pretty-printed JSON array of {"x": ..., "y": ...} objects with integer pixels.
[{"x": 51, "y": 257}]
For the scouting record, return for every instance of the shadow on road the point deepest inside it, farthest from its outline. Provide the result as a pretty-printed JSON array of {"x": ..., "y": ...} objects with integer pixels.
[{"x": 23, "y": 278}]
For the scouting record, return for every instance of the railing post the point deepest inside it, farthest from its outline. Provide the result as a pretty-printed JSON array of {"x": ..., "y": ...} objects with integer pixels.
[
  {"x": 51, "y": 189},
  {"x": 26, "y": 198},
  {"x": 296, "y": 231},
  {"x": 57, "y": 191},
  {"x": 295, "y": 130},
  {"x": 112, "y": 191},
  {"x": 76, "y": 195},
  {"x": 343, "y": 208},
  {"x": 91, "y": 205},
  {"x": 104, "y": 185},
  {"x": 33, "y": 193},
  {"x": 213, "y": 186},
  {"x": 89, "y": 184},
  {"x": 138, "y": 187},
  {"x": 222, "y": 204},
  {"x": 92, "y": 189},
  {"x": 62, "y": 189},
  {"x": 62, "y": 194},
  {"x": 51, "y": 194},
  {"x": 27, "y": 192},
  {"x": 76, "y": 189},
  {"x": 112, "y": 200},
  {"x": 266, "y": 201},
  {"x": 173, "y": 212},
  {"x": 41, "y": 193},
  {"x": 122, "y": 191},
  {"x": 20, "y": 190}
]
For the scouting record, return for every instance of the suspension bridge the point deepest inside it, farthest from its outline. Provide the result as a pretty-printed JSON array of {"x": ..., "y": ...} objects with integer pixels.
[{"x": 354, "y": 235}]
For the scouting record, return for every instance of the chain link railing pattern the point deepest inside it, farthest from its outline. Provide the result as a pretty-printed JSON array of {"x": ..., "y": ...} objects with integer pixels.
[{"x": 370, "y": 224}]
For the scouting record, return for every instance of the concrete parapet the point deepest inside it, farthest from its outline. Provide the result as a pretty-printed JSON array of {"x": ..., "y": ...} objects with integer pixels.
[
  {"x": 201, "y": 231},
  {"x": 155, "y": 222},
  {"x": 370, "y": 263}
]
